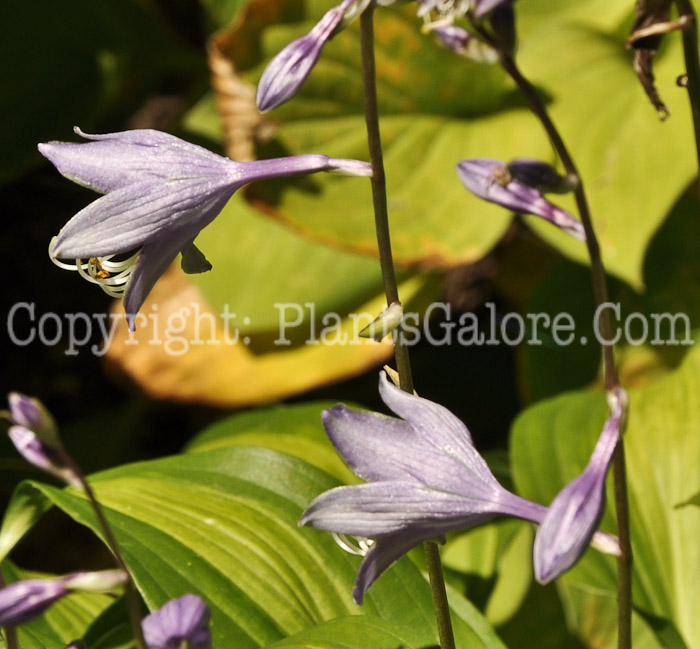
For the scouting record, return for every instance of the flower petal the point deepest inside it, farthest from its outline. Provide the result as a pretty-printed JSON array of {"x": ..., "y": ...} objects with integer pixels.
[
  {"x": 384, "y": 553},
  {"x": 115, "y": 160},
  {"x": 438, "y": 427},
  {"x": 130, "y": 217},
  {"x": 180, "y": 621},
  {"x": 379, "y": 508}
]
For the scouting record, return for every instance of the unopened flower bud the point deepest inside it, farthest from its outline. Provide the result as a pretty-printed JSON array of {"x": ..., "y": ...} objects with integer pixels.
[
  {"x": 30, "y": 413},
  {"x": 102, "y": 581},
  {"x": 34, "y": 434},
  {"x": 24, "y": 600}
]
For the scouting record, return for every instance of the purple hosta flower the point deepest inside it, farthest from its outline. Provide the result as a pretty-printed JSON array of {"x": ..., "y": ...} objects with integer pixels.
[
  {"x": 180, "y": 624},
  {"x": 574, "y": 514},
  {"x": 24, "y": 600},
  {"x": 160, "y": 191},
  {"x": 493, "y": 181},
  {"x": 34, "y": 434},
  {"x": 425, "y": 478}
]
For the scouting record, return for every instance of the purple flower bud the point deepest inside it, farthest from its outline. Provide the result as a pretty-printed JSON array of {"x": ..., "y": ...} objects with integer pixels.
[
  {"x": 288, "y": 70},
  {"x": 24, "y": 600},
  {"x": 34, "y": 434},
  {"x": 574, "y": 514},
  {"x": 182, "y": 622},
  {"x": 52, "y": 459},
  {"x": 30, "y": 413},
  {"x": 491, "y": 180}
]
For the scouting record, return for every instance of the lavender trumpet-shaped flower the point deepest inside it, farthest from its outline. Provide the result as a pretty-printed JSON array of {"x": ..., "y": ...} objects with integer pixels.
[
  {"x": 508, "y": 185},
  {"x": 159, "y": 192},
  {"x": 575, "y": 513},
  {"x": 180, "y": 624},
  {"x": 425, "y": 478},
  {"x": 34, "y": 434},
  {"x": 24, "y": 600}
]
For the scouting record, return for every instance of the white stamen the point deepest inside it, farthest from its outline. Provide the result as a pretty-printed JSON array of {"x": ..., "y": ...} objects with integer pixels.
[
  {"x": 110, "y": 275},
  {"x": 358, "y": 545},
  {"x": 447, "y": 12}
]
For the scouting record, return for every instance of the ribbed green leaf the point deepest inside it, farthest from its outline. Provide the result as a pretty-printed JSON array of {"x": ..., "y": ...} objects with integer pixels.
[{"x": 223, "y": 524}]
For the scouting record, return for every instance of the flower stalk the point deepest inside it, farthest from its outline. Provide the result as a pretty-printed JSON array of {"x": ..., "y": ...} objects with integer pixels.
[
  {"x": 381, "y": 215},
  {"x": 692, "y": 65},
  {"x": 600, "y": 291},
  {"x": 132, "y": 601}
]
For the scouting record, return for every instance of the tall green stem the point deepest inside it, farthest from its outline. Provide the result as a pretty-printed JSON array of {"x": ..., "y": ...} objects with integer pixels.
[
  {"x": 381, "y": 212},
  {"x": 600, "y": 290},
  {"x": 132, "y": 601},
  {"x": 381, "y": 218},
  {"x": 692, "y": 65}
]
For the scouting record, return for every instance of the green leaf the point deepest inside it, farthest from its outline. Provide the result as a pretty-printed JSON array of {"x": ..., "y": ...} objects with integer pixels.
[
  {"x": 260, "y": 264},
  {"x": 223, "y": 524},
  {"x": 551, "y": 444},
  {"x": 296, "y": 430},
  {"x": 430, "y": 121},
  {"x": 26, "y": 507},
  {"x": 353, "y": 632},
  {"x": 624, "y": 151}
]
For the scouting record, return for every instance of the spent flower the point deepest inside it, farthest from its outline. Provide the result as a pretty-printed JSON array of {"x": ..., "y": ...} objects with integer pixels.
[
  {"x": 500, "y": 183},
  {"x": 425, "y": 478},
  {"x": 159, "y": 193}
]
